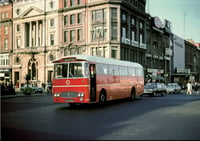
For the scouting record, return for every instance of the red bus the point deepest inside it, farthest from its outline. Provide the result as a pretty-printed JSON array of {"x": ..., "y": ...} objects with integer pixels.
[{"x": 91, "y": 79}]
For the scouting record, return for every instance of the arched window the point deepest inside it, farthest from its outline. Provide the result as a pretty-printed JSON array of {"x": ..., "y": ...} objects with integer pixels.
[{"x": 32, "y": 69}]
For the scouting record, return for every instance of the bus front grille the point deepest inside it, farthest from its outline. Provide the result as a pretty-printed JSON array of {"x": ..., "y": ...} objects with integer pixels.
[{"x": 69, "y": 94}]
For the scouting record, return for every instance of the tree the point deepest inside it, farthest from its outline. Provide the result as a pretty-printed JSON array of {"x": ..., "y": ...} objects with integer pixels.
[{"x": 27, "y": 90}]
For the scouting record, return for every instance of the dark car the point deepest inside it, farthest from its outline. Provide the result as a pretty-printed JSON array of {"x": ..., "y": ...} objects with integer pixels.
[{"x": 154, "y": 89}]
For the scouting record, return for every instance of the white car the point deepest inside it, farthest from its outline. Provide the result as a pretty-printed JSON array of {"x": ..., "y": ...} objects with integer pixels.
[
  {"x": 173, "y": 88},
  {"x": 34, "y": 89}
]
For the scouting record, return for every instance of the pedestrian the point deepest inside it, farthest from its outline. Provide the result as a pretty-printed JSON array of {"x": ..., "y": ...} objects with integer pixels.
[
  {"x": 196, "y": 88},
  {"x": 189, "y": 88}
]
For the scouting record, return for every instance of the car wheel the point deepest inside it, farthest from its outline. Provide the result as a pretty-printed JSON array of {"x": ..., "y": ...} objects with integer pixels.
[{"x": 153, "y": 94}]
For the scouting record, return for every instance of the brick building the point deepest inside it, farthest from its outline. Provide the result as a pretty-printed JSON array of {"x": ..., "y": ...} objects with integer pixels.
[{"x": 6, "y": 42}]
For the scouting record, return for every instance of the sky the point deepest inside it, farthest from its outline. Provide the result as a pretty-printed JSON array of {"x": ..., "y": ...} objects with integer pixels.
[{"x": 174, "y": 11}]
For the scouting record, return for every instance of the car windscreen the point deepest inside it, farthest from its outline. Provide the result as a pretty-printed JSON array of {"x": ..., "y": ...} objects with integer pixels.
[{"x": 150, "y": 86}]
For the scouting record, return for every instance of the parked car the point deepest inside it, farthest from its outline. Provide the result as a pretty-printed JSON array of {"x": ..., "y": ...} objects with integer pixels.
[
  {"x": 34, "y": 89},
  {"x": 174, "y": 87},
  {"x": 154, "y": 89},
  {"x": 170, "y": 89}
]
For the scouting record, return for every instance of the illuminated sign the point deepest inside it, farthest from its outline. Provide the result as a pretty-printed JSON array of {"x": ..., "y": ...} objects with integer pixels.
[{"x": 157, "y": 22}]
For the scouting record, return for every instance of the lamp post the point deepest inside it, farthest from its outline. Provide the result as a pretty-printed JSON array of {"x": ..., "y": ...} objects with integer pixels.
[{"x": 45, "y": 50}]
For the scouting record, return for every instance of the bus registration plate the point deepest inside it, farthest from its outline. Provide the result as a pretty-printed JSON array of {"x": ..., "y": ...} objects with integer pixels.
[{"x": 69, "y": 100}]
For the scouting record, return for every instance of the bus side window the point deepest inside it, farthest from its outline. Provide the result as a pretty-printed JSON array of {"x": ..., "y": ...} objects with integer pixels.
[
  {"x": 113, "y": 70},
  {"x": 102, "y": 69},
  {"x": 123, "y": 71},
  {"x": 131, "y": 71},
  {"x": 139, "y": 72}
]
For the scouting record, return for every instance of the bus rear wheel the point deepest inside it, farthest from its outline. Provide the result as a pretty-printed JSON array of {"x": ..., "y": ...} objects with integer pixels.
[
  {"x": 133, "y": 97},
  {"x": 102, "y": 98}
]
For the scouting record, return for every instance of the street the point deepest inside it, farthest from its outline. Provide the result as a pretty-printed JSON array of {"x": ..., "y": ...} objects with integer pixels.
[{"x": 171, "y": 117}]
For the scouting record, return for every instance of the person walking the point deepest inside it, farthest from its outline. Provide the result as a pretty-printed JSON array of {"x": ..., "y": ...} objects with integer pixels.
[
  {"x": 196, "y": 88},
  {"x": 189, "y": 88}
]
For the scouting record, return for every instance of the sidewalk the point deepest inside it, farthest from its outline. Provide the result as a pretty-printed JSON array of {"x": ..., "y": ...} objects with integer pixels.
[{"x": 20, "y": 94}]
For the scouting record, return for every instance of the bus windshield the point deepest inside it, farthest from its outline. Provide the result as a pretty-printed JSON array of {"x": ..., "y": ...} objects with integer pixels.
[{"x": 71, "y": 70}]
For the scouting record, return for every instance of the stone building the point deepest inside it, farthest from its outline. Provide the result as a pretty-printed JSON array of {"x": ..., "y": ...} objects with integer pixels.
[
  {"x": 44, "y": 30},
  {"x": 35, "y": 40}
]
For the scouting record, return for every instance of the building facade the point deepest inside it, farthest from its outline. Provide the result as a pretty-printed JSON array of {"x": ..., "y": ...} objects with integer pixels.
[
  {"x": 6, "y": 39},
  {"x": 35, "y": 32},
  {"x": 35, "y": 40},
  {"x": 46, "y": 30},
  {"x": 192, "y": 61},
  {"x": 159, "y": 51},
  {"x": 178, "y": 64}
]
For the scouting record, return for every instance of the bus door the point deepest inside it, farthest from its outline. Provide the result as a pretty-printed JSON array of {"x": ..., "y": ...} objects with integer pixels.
[{"x": 92, "y": 82}]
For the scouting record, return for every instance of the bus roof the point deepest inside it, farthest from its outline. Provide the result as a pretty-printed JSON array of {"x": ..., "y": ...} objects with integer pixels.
[{"x": 100, "y": 60}]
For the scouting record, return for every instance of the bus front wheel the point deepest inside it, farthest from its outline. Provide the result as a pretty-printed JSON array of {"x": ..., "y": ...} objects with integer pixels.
[{"x": 102, "y": 98}]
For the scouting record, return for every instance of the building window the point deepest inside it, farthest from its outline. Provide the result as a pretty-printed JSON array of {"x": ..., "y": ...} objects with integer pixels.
[
  {"x": 72, "y": 51},
  {"x": 6, "y": 14},
  {"x": 79, "y": 2},
  {"x": 133, "y": 35},
  {"x": 17, "y": 60},
  {"x": 4, "y": 60},
  {"x": 114, "y": 52},
  {"x": 93, "y": 51},
  {"x": 65, "y": 36},
  {"x": 98, "y": 34},
  {"x": 72, "y": 35},
  {"x": 124, "y": 17},
  {"x": 65, "y": 3},
  {"x": 114, "y": 32},
  {"x": 72, "y": 19},
  {"x": 124, "y": 32},
  {"x": 79, "y": 34},
  {"x": 99, "y": 51},
  {"x": 51, "y": 4},
  {"x": 72, "y": 2},
  {"x": 141, "y": 38},
  {"x": 79, "y": 18},
  {"x": 51, "y": 22},
  {"x": 51, "y": 57},
  {"x": 6, "y": 43},
  {"x": 133, "y": 21},
  {"x": 18, "y": 43},
  {"x": 114, "y": 13},
  {"x": 98, "y": 15},
  {"x": 3, "y": 15},
  {"x": 141, "y": 25},
  {"x": 52, "y": 39},
  {"x": 105, "y": 51},
  {"x": 6, "y": 30},
  {"x": 18, "y": 11},
  {"x": 65, "y": 20},
  {"x": 18, "y": 28}
]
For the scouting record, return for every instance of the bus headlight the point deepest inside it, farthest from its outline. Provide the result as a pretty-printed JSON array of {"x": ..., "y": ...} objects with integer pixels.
[
  {"x": 57, "y": 95},
  {"x": 81, "y": 94}
]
